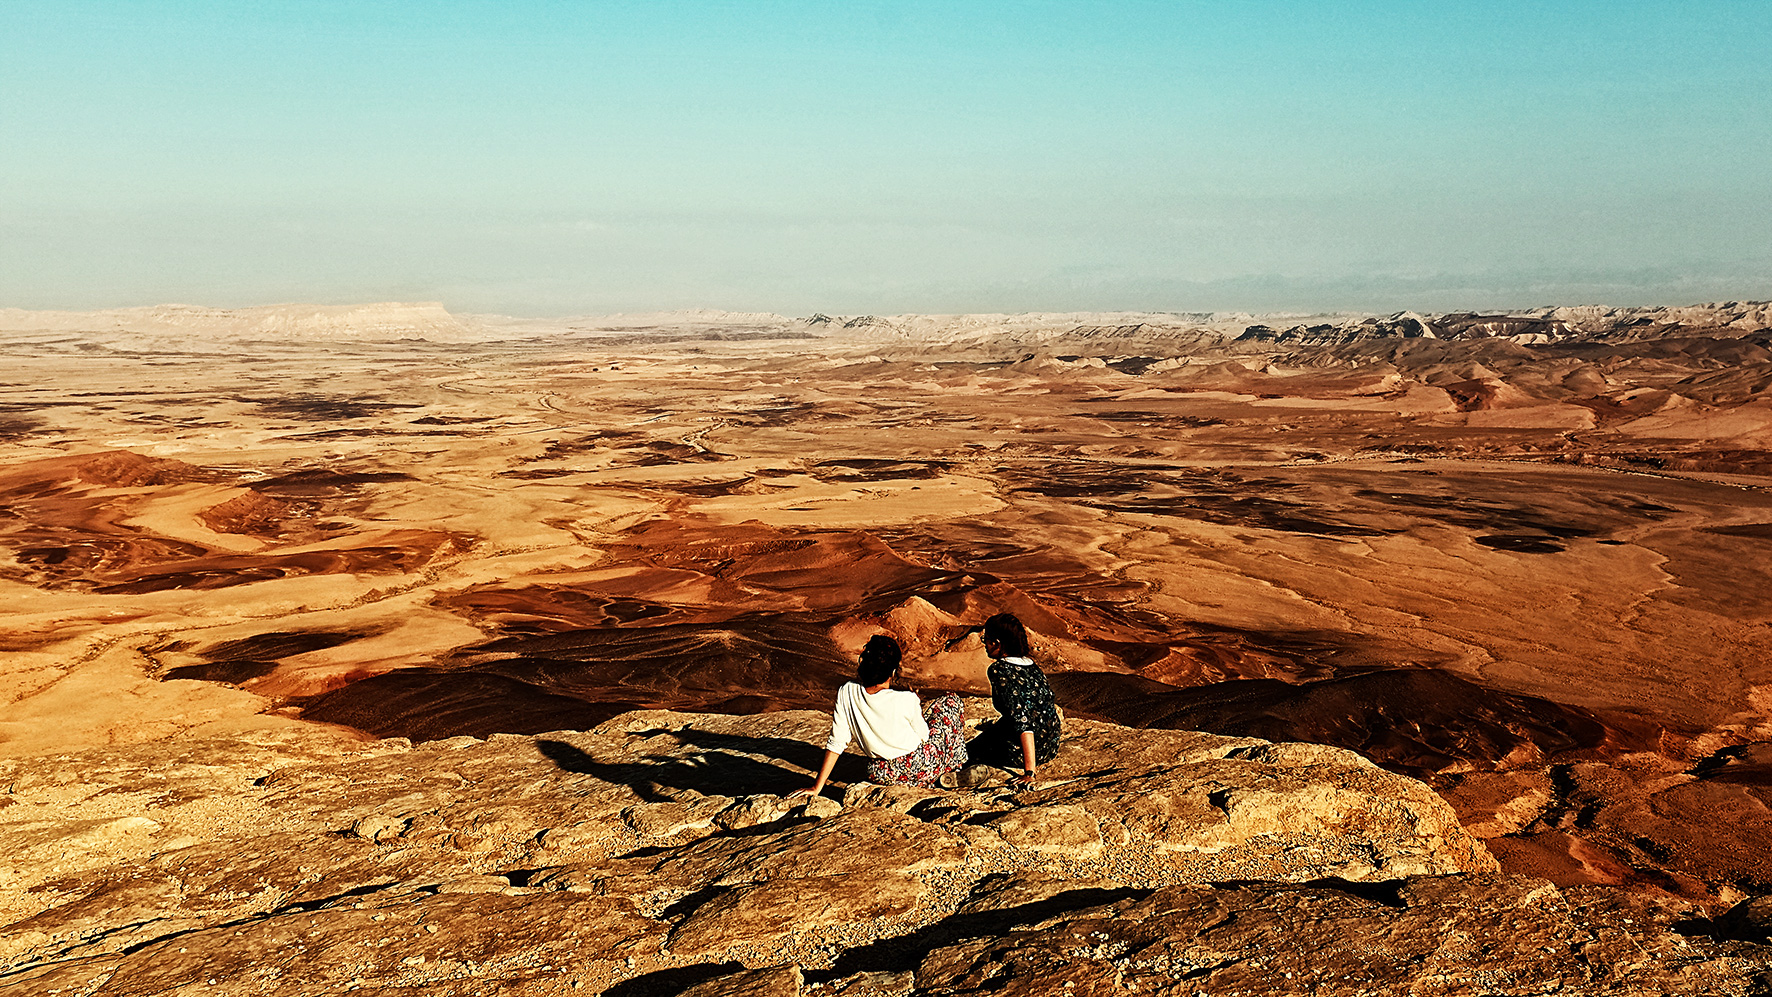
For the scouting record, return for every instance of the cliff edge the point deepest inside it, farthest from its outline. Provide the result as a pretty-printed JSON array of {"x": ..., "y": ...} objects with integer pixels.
[{"x": 657, "y": 853}]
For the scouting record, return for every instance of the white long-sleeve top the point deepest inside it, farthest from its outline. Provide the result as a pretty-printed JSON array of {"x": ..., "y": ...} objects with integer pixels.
[{"x": 886, "y": 724}]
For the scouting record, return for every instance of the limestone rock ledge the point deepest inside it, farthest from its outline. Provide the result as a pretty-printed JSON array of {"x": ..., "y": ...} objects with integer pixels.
[{"x": 657, "y": 853}]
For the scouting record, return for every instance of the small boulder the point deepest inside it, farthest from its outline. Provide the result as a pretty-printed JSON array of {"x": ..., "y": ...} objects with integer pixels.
[
  {"x": 752, "y": 811},
  {"x": 379, "y": 827},
  {"x": 665, "y": 820}
]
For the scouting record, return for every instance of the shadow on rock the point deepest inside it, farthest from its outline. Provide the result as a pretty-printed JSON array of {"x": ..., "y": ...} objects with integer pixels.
[
  {"x": 1747, "y": 921},
  {"x": 904, "y": 951},
  {"x": 671, "y": 982},
  {"x": 710, "y": 764}
]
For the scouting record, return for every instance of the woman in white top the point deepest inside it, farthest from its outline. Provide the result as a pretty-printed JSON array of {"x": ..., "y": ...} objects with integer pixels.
[{"x": 890, "y": 726}]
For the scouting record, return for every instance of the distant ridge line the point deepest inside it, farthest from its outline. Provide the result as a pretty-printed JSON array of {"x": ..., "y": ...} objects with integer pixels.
[{"x": 432, "y": 322}]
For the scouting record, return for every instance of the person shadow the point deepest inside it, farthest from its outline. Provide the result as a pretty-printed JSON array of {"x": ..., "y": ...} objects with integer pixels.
[{"x": 710, "y": 764}]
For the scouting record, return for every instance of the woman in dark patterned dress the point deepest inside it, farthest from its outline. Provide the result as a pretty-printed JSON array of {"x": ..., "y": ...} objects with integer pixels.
[{"x": 1025, "y": 733}]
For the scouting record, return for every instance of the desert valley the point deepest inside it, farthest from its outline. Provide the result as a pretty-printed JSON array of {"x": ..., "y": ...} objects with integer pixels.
[{"x": 384, "y": 649}]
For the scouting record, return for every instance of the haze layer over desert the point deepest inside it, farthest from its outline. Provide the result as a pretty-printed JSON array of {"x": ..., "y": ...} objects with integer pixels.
[{"x": 1520, "y": 557}]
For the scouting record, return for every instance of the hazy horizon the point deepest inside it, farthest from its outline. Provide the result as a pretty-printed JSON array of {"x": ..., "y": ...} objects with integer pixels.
[
  {"x": 546, "y": 159},
  {"x": 1376, "y": 306}
]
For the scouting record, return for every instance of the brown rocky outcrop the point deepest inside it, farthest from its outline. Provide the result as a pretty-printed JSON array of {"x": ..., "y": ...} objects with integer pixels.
[
  {"x": 1440, "y": 936},
  {"x": 657, "y": 853}
]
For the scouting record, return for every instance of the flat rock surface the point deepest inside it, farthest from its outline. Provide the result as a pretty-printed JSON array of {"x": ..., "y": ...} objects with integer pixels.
[
  {"x": 657, "y": 849},
  {"x": 1431, "y": 937}
]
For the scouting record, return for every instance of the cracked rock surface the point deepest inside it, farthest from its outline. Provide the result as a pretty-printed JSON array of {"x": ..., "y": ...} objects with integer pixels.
[{"x": 657, "y": 853}]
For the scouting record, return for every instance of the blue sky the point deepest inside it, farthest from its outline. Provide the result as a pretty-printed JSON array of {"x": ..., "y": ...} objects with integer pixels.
[{"x": 555, "y": 158}]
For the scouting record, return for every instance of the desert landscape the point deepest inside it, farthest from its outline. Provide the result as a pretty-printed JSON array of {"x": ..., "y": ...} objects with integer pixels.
[{"x": 388, "y": 649}]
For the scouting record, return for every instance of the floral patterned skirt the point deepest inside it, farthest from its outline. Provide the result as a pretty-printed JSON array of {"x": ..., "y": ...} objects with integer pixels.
[{"x": 944, "y": 751}]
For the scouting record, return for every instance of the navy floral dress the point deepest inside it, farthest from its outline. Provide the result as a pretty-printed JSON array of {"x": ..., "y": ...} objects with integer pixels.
[{"x": 1024, "y": 703}]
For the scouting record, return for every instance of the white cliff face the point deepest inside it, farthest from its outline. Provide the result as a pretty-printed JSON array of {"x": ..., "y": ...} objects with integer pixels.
[
  {"x": 1057, "y": 332},
  {"x": 656, "y": 849}
]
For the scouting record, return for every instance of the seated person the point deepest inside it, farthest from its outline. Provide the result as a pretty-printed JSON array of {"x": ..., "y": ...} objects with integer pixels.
[
  {"x": 1025, "y": 733},
  {"x": 889, "y": 725}
]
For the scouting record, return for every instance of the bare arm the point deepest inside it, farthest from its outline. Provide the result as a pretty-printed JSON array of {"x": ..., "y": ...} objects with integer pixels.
[
  {"x": 1027, "y": 753},
  {"x": 824, "y": 773}
]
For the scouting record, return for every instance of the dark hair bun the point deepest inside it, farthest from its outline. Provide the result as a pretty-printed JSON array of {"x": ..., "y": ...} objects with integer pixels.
[
  {"x": 1007, "y": 633},
  {"x": 879, "y": 660}
]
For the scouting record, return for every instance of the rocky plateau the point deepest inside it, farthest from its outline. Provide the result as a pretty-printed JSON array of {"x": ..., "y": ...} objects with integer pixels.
[
  {"x": 377, "y": 649},
  {"x": 658, "y": 853}
]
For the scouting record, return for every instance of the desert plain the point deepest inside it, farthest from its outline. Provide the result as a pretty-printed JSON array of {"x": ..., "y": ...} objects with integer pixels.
[{"x": 1513, "y": 568}]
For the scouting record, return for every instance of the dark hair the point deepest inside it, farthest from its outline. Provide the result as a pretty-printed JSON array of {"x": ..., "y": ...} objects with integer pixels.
[
  {"x": 879, "y": 660},
  {"x": 1008, "y": 634}
]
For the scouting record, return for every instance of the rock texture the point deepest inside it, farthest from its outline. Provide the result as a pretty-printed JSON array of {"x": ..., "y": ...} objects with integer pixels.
[
  {"x": 1446, "y": 936},
  {"x": 1521, "y": 557},
  {"x": 657, "y": 853}
]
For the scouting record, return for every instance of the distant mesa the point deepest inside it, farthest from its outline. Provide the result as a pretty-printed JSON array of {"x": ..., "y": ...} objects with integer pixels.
[
  {"x": 1531, "y": 327},
  {"x": 1055, "y": 332},
  {"x": 1085, "y": 332},
  {"x": 385, "y": 321}
]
